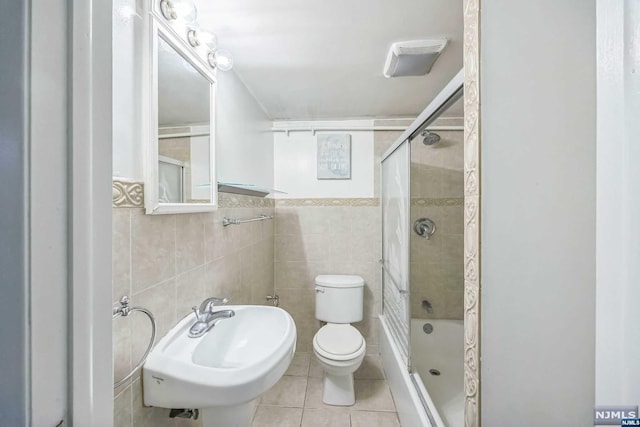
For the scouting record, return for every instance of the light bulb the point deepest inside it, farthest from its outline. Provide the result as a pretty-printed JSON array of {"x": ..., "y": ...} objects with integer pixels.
[
  {"x": 185, "y": 10},
  {"x": 193, "y": 37},
  {"x": 223, "y": 59}
]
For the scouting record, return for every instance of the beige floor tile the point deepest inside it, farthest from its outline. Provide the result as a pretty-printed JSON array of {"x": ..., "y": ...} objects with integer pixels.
[
  {"x": 314, "y": 394},
  {"x": 274, "y": 416},
  {"x": 374, "y": 419},
  {"x": 373, "y": 350},
  {"x": 371, "y": 369},
  {"x": 299, "y": 366},
  {"x": 373, "y": 395},
  {"x": 289, "y": 392},
  {"x": 325, "y": 417},
  {"x": 315, "y": 370}
]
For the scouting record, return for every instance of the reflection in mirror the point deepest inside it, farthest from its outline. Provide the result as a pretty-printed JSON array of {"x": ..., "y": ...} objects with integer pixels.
[{"x": 184, "y": 157}]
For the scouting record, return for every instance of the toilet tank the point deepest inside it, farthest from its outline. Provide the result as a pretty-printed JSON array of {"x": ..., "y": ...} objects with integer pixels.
[{"x": 339, "y": 298}]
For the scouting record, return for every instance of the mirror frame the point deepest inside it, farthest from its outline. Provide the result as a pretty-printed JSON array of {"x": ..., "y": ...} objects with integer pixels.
[{"x": 156, "y": 28}]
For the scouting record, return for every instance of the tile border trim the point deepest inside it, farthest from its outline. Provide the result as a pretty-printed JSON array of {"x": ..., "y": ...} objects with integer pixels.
[
  {"x": 229, "y": 200},
  {"x": 472, "y": 200},
  {"x": 353, "y": 202},
  {"x": 130, "y": 194},
  {"x": 127, "y": 194},
  {"x": 452, "y": 201}
]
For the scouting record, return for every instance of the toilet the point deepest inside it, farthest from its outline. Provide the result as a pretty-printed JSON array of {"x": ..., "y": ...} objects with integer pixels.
[{"x": 338, "y": 346}]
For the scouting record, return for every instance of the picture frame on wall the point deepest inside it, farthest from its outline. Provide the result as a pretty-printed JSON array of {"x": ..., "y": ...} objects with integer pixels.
[{"x": 334, "y": 156}]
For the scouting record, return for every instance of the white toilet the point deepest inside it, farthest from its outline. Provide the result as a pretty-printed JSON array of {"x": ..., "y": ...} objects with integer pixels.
[{"x": 339, "y": 347}]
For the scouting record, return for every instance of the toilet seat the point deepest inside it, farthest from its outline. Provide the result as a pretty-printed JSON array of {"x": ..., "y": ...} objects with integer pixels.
[{"x": 338, "y": 342}]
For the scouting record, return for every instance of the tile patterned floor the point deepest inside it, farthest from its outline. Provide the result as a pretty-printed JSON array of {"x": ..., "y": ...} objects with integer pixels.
[{"x": 296, "y": 400}]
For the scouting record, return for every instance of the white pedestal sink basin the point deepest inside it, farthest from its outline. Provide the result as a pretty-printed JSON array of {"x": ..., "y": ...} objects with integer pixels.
[{"x": 223, "y": 372}]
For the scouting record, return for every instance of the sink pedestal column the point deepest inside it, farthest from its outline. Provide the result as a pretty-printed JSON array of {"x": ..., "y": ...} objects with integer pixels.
[{"x": 229, "y": 416}]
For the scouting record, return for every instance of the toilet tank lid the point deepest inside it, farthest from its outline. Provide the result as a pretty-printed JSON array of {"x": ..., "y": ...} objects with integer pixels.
[{"x": 340, "y": 281}]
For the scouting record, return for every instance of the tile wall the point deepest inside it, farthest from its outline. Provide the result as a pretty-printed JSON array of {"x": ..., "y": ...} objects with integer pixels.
[
  {"x": 331, "y": 236},
  {"x": 169, "y": 263},
  {"x": 313, "y": 240}
]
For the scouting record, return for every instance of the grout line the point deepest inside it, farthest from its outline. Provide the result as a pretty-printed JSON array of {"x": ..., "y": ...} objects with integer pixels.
[{"x": 155, "y": 285}]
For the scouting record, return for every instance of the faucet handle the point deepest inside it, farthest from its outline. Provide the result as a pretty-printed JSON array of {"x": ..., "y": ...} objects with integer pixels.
[
  {"x": 211, "y": 302},
  {"x": 196, "y": 311}
]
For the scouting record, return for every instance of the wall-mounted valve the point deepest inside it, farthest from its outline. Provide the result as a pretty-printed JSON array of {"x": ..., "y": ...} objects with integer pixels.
[
  {"x": 275, "y": 299},
  {"x": 424, "y": 227}
]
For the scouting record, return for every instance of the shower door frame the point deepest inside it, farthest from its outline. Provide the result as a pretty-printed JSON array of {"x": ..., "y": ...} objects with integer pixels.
[{"x": 452, "y": 92}]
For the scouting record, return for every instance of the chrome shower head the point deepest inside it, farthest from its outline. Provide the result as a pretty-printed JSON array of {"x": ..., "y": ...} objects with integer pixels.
[{"x": 429, "y": 138}]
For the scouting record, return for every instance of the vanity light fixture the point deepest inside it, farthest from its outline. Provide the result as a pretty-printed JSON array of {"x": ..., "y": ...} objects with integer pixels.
[
  {"x": 197, "y": 37},
  {"x": 179, "y": 10},
  {"x": 166, "y": 7},
  {"x": 192, "y": 37},
  {"x": 183, "y": 13},
  {"x": 221, "y": 59}
]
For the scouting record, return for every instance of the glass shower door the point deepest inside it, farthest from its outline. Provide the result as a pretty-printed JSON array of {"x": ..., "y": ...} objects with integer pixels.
[{"x": 395, "y": 244}]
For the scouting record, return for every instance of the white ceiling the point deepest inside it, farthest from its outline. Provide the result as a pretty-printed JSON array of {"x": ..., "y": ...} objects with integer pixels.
[{"x": 323, "y": 60}]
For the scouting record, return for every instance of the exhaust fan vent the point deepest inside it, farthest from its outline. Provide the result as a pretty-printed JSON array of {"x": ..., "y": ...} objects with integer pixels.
[{"x": 413, "y": 57}]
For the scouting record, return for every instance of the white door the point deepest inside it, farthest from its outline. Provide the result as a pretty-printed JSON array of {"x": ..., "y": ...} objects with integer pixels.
[{"x": 55, "y": 220}]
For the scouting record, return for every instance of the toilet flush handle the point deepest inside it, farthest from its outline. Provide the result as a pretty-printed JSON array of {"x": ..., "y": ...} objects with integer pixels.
[{"x": 319, "y": 290}]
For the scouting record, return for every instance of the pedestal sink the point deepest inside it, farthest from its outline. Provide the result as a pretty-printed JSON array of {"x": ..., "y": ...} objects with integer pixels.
[{"x": 225, "y": 371}]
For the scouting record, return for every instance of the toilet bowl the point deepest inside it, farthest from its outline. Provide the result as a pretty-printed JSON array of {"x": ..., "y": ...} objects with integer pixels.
[
  {"x": 340, "y": 350},
  {"x": 338, "y": 346}
]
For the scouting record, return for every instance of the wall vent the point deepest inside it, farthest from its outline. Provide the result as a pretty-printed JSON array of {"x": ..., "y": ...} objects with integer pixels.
[{"x": 413, "y": 57}]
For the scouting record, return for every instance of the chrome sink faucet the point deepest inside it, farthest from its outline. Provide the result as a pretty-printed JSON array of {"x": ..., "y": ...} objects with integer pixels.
[{"x": 206, "y": 318}]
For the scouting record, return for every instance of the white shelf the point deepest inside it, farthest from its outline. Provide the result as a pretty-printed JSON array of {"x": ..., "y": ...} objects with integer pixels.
[{"x": 246, "y": 189}]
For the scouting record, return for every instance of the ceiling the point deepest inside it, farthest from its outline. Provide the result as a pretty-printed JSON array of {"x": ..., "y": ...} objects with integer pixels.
[{"x": 323, "y": 60}]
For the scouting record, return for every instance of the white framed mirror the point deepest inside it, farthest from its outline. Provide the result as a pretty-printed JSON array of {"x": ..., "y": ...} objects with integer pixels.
[{"x": 180, "y": 139}]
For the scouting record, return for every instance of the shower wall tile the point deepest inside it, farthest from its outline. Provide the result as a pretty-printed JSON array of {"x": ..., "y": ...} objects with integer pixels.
[
  {"x": 121, "y": 253},
  {"x": 161, "y": 301},
  {"x": 190, "y": 290},
  {"x": 436, "y": 264},
  {"x": 223, "y": 278},
  {"x": 299, "y": 302},
  {"x": 453, "y": 221},
  {"x": 122, "y": 410},
  {"x": 153, "y": 249},
  {"x": 216, "y": 237},
  {"x": 189, "y": 242},
  {"x": 122, "y": 362},
  {"x": 169, "y": 263},
  {"x": 313, "y": 240}
]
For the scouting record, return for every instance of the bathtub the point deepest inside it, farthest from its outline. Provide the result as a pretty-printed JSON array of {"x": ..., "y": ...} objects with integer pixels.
[
  {"x": 412, "y": 392},
  {"x": 442, "y": 350}
]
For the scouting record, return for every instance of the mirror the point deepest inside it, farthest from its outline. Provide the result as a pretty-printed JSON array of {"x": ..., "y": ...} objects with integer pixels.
[{"x": 181, "y": 155}]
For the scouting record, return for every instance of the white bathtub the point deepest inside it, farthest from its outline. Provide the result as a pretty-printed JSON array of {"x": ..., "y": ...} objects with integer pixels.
[
  {"x": 442, "y": 350},
  {"x": 445, "y": 390}
]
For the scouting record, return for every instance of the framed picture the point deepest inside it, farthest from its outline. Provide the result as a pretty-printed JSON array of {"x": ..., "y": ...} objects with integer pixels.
[{"x": 334, "y": 156}]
